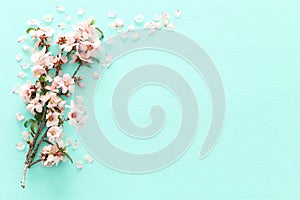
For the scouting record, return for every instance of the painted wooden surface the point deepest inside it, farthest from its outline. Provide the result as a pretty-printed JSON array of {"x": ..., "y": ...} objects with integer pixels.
[{"x": 256, "y": 48}]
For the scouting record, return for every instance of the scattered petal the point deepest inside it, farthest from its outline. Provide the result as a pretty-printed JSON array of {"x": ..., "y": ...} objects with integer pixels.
[
  {"x": 48, "y": 18},
  {"x": 109, "y": 40},
  {"x": 19, "y": 57},
  {"x": 178, "y": 13},
  {"x": 25, "y": 65},
  {"x": 111, "y": 14},
  {"x": 80, "y": 11},
  {"x": 19, "y": 117},
  {"x": 33, "y": 22},
  {"x": 62, "y": 26},
  {"x": 96, "y": 75},
  {"x": 135, "y": 35},
  {"x": 21, "y": 74},
  {"x": 20, "y": 146},
  {"x": 75, "y": 144},
  {"x": 68, "y": 17},
  {"x": 131, "y": 28},
  {"x": 68, "y": 141},
  {"x": 149, "y": 25},
  {"x": 124, "y": 35},
  {"x": 88, "y": 158},
  {"x": 22, "y": 38},
  {"x": 151, "y": 31},
  {"x": 139, "y": 18},
  {"x": 16, "y": 89},
  {"x": 79, "y": 164},
  {"x": 25, "y": 135},
  {"x": 25, "y": 47},
  {"x": 170, "y": 27},
  {"x": 60, "y": 8}
]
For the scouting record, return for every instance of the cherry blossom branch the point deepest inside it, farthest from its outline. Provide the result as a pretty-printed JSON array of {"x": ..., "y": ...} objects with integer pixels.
[{"x": 77, "y": 69}]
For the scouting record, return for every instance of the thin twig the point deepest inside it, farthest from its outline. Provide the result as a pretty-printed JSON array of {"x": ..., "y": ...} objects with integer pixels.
[
  {"x": 78, "y": 68},
  {"x": 35, "y": 162},
  {"x": 24, "y": 176}
]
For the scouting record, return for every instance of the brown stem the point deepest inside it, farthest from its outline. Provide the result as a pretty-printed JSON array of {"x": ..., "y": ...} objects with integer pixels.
[
  {"x": 35, "y": 162},
  {"x": 39, "y": 144},
  {"x": 24, "y": 176},
  {"x": 78, "y": 68}
]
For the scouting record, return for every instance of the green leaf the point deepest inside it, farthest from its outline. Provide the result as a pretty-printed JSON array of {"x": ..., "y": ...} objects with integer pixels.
[
  {"x": 92, "y": 22},
  {"x": 88, "y": 66},
  {"x": 30, "y": 29},
  {"x": 101, "y": 32},
  {"x": 38, "y": 116},
  {"x": 27, "y": 122},
  {"x": 68, "y": 156}
]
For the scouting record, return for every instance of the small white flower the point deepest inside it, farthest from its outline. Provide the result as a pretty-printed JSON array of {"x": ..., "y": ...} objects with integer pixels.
[
  {"x": 19, "y": 57},
  {"x": 111, "y": 14},
  {"x": 33, "y": 22},
  {"x": 62, "y": 25},
  {"x": 139, "y": 18},
  {"x": 157, "y": 17},
  {"x": 25, "y": 65},
  {"x": 21, "y": 74},
  {"x": 20, "y": 146},
  {"x": 80, "y": 11},
  {"x": 75, "y": 144},
  {"x": 117, "y": 24},
  {"x": 170, "y": 27},
  {"x": 25, "y": 135},
  {"x": 19, "y": 117},
  {"x": 52, "y": 119},
  {"x": 88, "y": 158},
  {"x": 178, "y": 13},
  {"x": 79, "y": 164},
  {"x": 48, "y": 18},
  {"x": 96, "y": 75},
  {"x": 22, "y": 38},
  {"x": 68, "y": 17},
  {"x": 54, "y": 133},
  {"x": 131, "y": 28},
  {"x": 60, "y": 8},
  {"x": 25, "y": 47}
]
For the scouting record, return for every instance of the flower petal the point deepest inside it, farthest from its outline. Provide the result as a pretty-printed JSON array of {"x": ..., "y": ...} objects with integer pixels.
[
  {"x": 19, "y": 117},
  {"x": 62, "y": 25},
  {"x": 75, "y": 144},
  {"x": 178, "y": 13},
  {"x": 19, "y": 57},
  {"x": 33, "y": 22},
  {"x": 21, "y": 74},
  {"x": 79, "y": 164},
  {"x": 60, "y": 8},
  {"x": 111, "y": 14},
  {"x": 80, "y": 11},
  {"x": 68, "y": 17},
  {"x": 88, "y": 158},
  {"x": 22, "y": 38},
  {"x": 139, "y": 18},
  {"x": 48, "y": 18},
  {"x": 25, "y": 65},
  {"x": 20, "y": 146},
  {"x": 96, "y": 75}
]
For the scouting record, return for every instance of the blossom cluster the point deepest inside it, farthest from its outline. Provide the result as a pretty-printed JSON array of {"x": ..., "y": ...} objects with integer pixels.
[{"x": 46, "y": 97}]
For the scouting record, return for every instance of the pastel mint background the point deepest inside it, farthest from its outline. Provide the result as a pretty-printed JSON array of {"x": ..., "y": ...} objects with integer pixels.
[{"x": 256, "y": 48}]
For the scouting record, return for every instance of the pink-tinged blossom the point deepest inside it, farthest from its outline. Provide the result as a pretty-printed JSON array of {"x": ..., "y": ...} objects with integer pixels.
[
  {"x": 26, "y": 91},
  {"x": 77, "y": 115},
  {"x": 52, "y": 119},
  {"x": 38, "y": 70},
  {"x": 117, "y": 24},
  {"x": 42, "y": 58},
  {"x": 51, "y": 155},
  {"x": 35, "y": 105},
  {"x": 19, "y": 117},
  {"x": 111, "y": 14},
  {"x": 48, "y": 18},
  {"x": 20, "y": 146},
  {"x": 54, "y": 133}
]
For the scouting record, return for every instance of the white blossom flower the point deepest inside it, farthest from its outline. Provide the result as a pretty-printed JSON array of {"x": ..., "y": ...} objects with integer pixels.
[
  {"x": 52, "y": 119},
  {"x": 139, "y": 18},
  {"x": 77, "y": 115},
  {"x": 54, "y": 132},
  {"x": 112, "y": 14},
  {"x": 51, "y": 155},
  {"x": 21, "y": 74},
  {"x": 33, "y": 22},
  {"x": 62, "y": 25},
  {"x": 75, "y": 144},
  {"x": 88, "y": 158},
  {"x": 38, "y": 70},
  {"x": 25, "y": 65},
  {"x": 20, "y": 146},
  {"x": 25, "y": 47},
  {"x": 96, "y": 75},
  {"x": 25, "y": 135},
  {"x": 131, "y": 28},
  {"x": 79, "y": 164},
  {"x": 117, "y": 24},
  {"x": 170, "y": 27},
  {"x": 60, "y": 8},
  {"x": 178, "y": 13},
  {"x": 80, "y": 11},
  {"x": 26, "y": 91},
  {"x": 35, "y": 105},
  {"x": 22, "y": 38},
  {"x": 19, "y": 57},
  {"x": 19, "y": 117},
  {"x": 165, "y": 18},
  {"x": 48, "y": 18}
]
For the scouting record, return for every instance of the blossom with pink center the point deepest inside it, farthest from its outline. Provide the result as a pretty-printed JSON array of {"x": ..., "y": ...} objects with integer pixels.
[
  {"x": 42, "y": 58},
  {"x": 35, "y": 105},
  {"x": 54, "y": 133},
  {"x": 51, "y": 155},
  {"x": 38, "y": 70},
  {"x": 67, "y": 41},
  {"x": 52, "y": 119},
  {"x": 77, "y": 115},
  {"x": 25, "y": 91}
]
